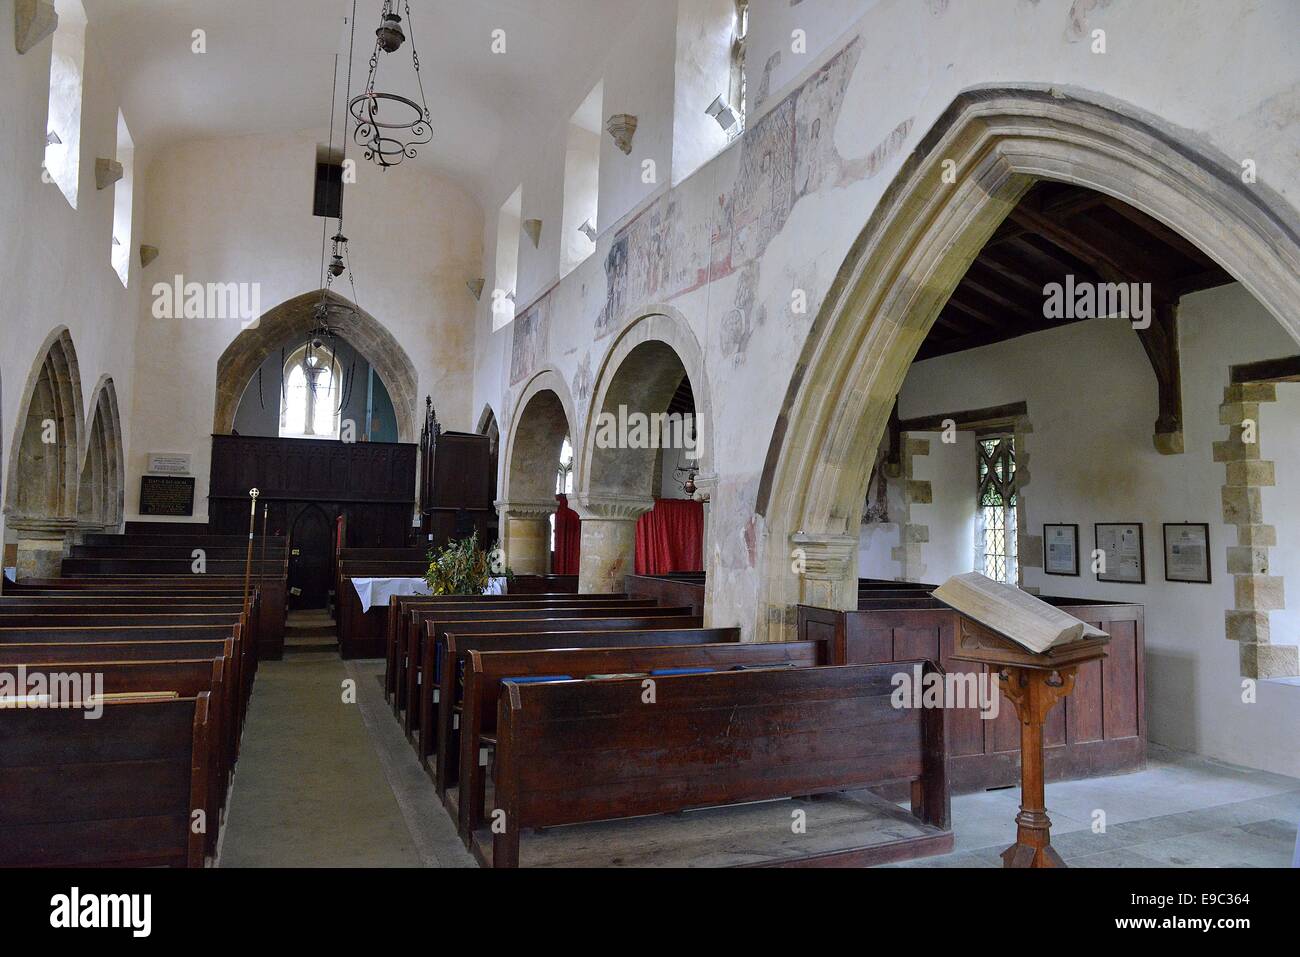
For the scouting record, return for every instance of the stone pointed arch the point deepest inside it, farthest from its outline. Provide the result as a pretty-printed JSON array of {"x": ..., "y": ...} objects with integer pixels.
[
  {"x": 41, "y": 483},
  {"x": 923, "y": 234},
  {"x": 101, "y": 492},
  {"x": 298, "y": 316},
  {"x": 541, "y": 418}
]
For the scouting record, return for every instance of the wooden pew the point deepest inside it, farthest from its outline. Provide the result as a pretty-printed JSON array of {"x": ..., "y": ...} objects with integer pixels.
[
  {"x": 638, "y": 615},
  {"x": 675, "y": 589},
  {"x": 576, "y": 751},
  {"x": 186, "y": 678},
  {"x": 542, "y": 584},
  {"x": 412, "y": 616},
  {"x": 400, "y": 607},
  {"x": 118, "y": 791},
  {"x": 240, "y": 676},
  {"x": 444, "y": 657},
  {"x": 1100, "y": 730},
  {"x": 486, "y": 669}
]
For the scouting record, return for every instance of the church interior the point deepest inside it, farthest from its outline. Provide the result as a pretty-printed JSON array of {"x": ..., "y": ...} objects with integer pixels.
[{"x": 685, "y": 433}]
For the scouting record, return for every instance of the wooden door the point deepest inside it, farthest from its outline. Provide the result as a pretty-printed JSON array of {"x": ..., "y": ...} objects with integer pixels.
[{"x": 311, "y": 549}]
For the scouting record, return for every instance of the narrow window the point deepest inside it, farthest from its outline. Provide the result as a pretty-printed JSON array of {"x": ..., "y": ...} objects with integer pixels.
[
  {"x": 581, "y": 182},
  {"x": 509, "y": 223},
  {"x": 739, "y": 79},
  {"x": 563, "y": 480},
  {"x": 995, "y": 544},
  {"x": 63, "y": 125},
  {"x": 123, "y": 197}
]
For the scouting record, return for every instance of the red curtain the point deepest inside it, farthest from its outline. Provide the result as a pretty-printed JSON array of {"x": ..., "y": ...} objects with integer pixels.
[
  {"x": 670, "y": 538},
  {"x": 568, "y": 538}
]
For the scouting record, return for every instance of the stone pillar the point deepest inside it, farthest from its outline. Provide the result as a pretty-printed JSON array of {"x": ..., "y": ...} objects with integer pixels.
[
  {"x": 41, "y": 545},
  {"x": 1255, "y": 591},
  {"x": 608, "y": 540},
  {"x": 526, "y": 535}
]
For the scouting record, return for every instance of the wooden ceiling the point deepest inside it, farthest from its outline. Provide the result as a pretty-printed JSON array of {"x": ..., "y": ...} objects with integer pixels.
[{"x": 1057, "y": 230}]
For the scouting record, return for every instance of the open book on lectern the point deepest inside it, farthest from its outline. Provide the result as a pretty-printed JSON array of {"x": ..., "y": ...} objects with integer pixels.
[{"x": 1028, "y": 621}]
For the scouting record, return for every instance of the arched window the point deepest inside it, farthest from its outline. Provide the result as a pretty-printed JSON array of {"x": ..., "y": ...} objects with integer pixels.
[
  {"x": 310, "y": 399},
  {"x": 563, "y": 479}
]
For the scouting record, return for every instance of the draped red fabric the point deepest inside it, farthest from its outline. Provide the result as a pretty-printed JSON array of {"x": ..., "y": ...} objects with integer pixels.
[
  {"x": 670, "y": 538},
  {"x": 568, "y": 538}
]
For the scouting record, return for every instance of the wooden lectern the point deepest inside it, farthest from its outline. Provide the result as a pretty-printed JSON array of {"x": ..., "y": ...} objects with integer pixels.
[{"x": 1033, "y": 683}]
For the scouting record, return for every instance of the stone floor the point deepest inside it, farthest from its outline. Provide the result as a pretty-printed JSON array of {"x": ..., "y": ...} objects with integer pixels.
[
  {"x": 1182, "y": 811},
  {"x": 323, "y": 783}
]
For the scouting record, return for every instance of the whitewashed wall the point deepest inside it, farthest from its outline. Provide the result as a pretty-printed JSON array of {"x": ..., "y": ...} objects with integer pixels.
[
  {"x": 240, "y": 210},
  {"x": 55, "y": 262}
]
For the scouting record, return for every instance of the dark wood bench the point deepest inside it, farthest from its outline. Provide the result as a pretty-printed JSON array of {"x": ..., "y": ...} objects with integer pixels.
[
  {"x": 409, "y": 641},
  {"x": 400, "y": 608},
  {"x": 445, "y": 657},
  {"x": 118, "y": 791},
  {"x": 185, "y": 678},
  {"x": 433, "y": 623},
  {"x": 1100, "y": 730},
  {"x": 579, "y": 751},
  {"x": 486, "y": 669}
]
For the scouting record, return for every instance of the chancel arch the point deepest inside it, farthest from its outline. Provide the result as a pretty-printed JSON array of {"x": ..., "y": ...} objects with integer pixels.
[
  {"x": 985, "y": 153},
  {"x": 295, "y": 319},
  {"x": 629, "y": 430},
  {"x": 101, "y": 492},
  {"x": 41, "y": 489},
  {"x": 542, "y": 420}
]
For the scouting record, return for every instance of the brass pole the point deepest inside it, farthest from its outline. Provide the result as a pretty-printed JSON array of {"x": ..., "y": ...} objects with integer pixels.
[{"x": 248, "y": 561}]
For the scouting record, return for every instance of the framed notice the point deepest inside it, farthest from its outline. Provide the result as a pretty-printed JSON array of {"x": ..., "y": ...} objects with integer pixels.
[
  {"x": 166, "y": 495},
  {"x": 1061, "y": 549},
  {"x": 1187, "y": 552},
  {"x": 1121, "y": 545}
]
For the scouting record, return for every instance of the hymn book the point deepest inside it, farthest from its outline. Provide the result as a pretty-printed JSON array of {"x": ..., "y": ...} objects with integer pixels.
[{"x": 1030, "y": 622}]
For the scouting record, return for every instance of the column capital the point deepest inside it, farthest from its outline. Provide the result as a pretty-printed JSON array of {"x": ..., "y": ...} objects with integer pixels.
[
  {"x": 825, "y": 557},
  {"x": 612, "y": 508},
  {"x": 526, "y": 510},
  {"x": 705, "y": 485},
  {"x": 32, "y": 527}
]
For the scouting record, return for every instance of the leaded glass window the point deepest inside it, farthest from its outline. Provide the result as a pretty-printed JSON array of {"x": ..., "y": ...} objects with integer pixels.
[{"x": 995, "y": 546}]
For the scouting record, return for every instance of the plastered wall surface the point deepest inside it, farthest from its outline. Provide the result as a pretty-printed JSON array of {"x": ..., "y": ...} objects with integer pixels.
[
  {"x": 55, "y": 262},
  {"x": 239, "y": 210}
]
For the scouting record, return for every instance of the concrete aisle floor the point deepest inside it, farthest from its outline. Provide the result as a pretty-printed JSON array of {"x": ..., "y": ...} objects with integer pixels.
[{"x": 320, "y": 783}]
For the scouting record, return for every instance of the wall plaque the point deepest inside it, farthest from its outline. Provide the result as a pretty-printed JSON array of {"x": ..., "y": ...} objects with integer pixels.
[
  {"x": 170, "y": 463},
  {"x": 166, "y": 495}
]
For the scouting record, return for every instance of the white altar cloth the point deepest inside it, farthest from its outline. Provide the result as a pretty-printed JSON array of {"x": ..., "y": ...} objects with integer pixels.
[{"x": 378, "y": 591}]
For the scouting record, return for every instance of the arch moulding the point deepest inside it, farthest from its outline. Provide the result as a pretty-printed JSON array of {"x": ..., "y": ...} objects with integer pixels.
[
  {"x": 297, "y": 316},
  {"x": 924, "y": 233},
  {"x": 526, "y": 453}
]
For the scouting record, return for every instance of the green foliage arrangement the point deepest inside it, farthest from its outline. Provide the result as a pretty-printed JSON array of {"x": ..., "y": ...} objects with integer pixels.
[{"x": 462, "y": 568}]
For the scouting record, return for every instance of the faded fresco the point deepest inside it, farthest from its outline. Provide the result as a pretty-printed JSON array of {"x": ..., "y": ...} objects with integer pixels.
[
  {"x": 531, "y": 336},
  {"x": 785, "y": 155}
]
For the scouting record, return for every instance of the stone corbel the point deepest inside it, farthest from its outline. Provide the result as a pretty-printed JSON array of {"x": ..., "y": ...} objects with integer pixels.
[
  {"x": 147, "y": 255},
  {"x": 107, "y": 172},
  {"x": 824, "y": 557},
  {"x": 705, "y": 484},
  {"x": 622, "y": 127},
  {"x": 34, "y": 20},
  {"x": 533, "y": 229}
]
